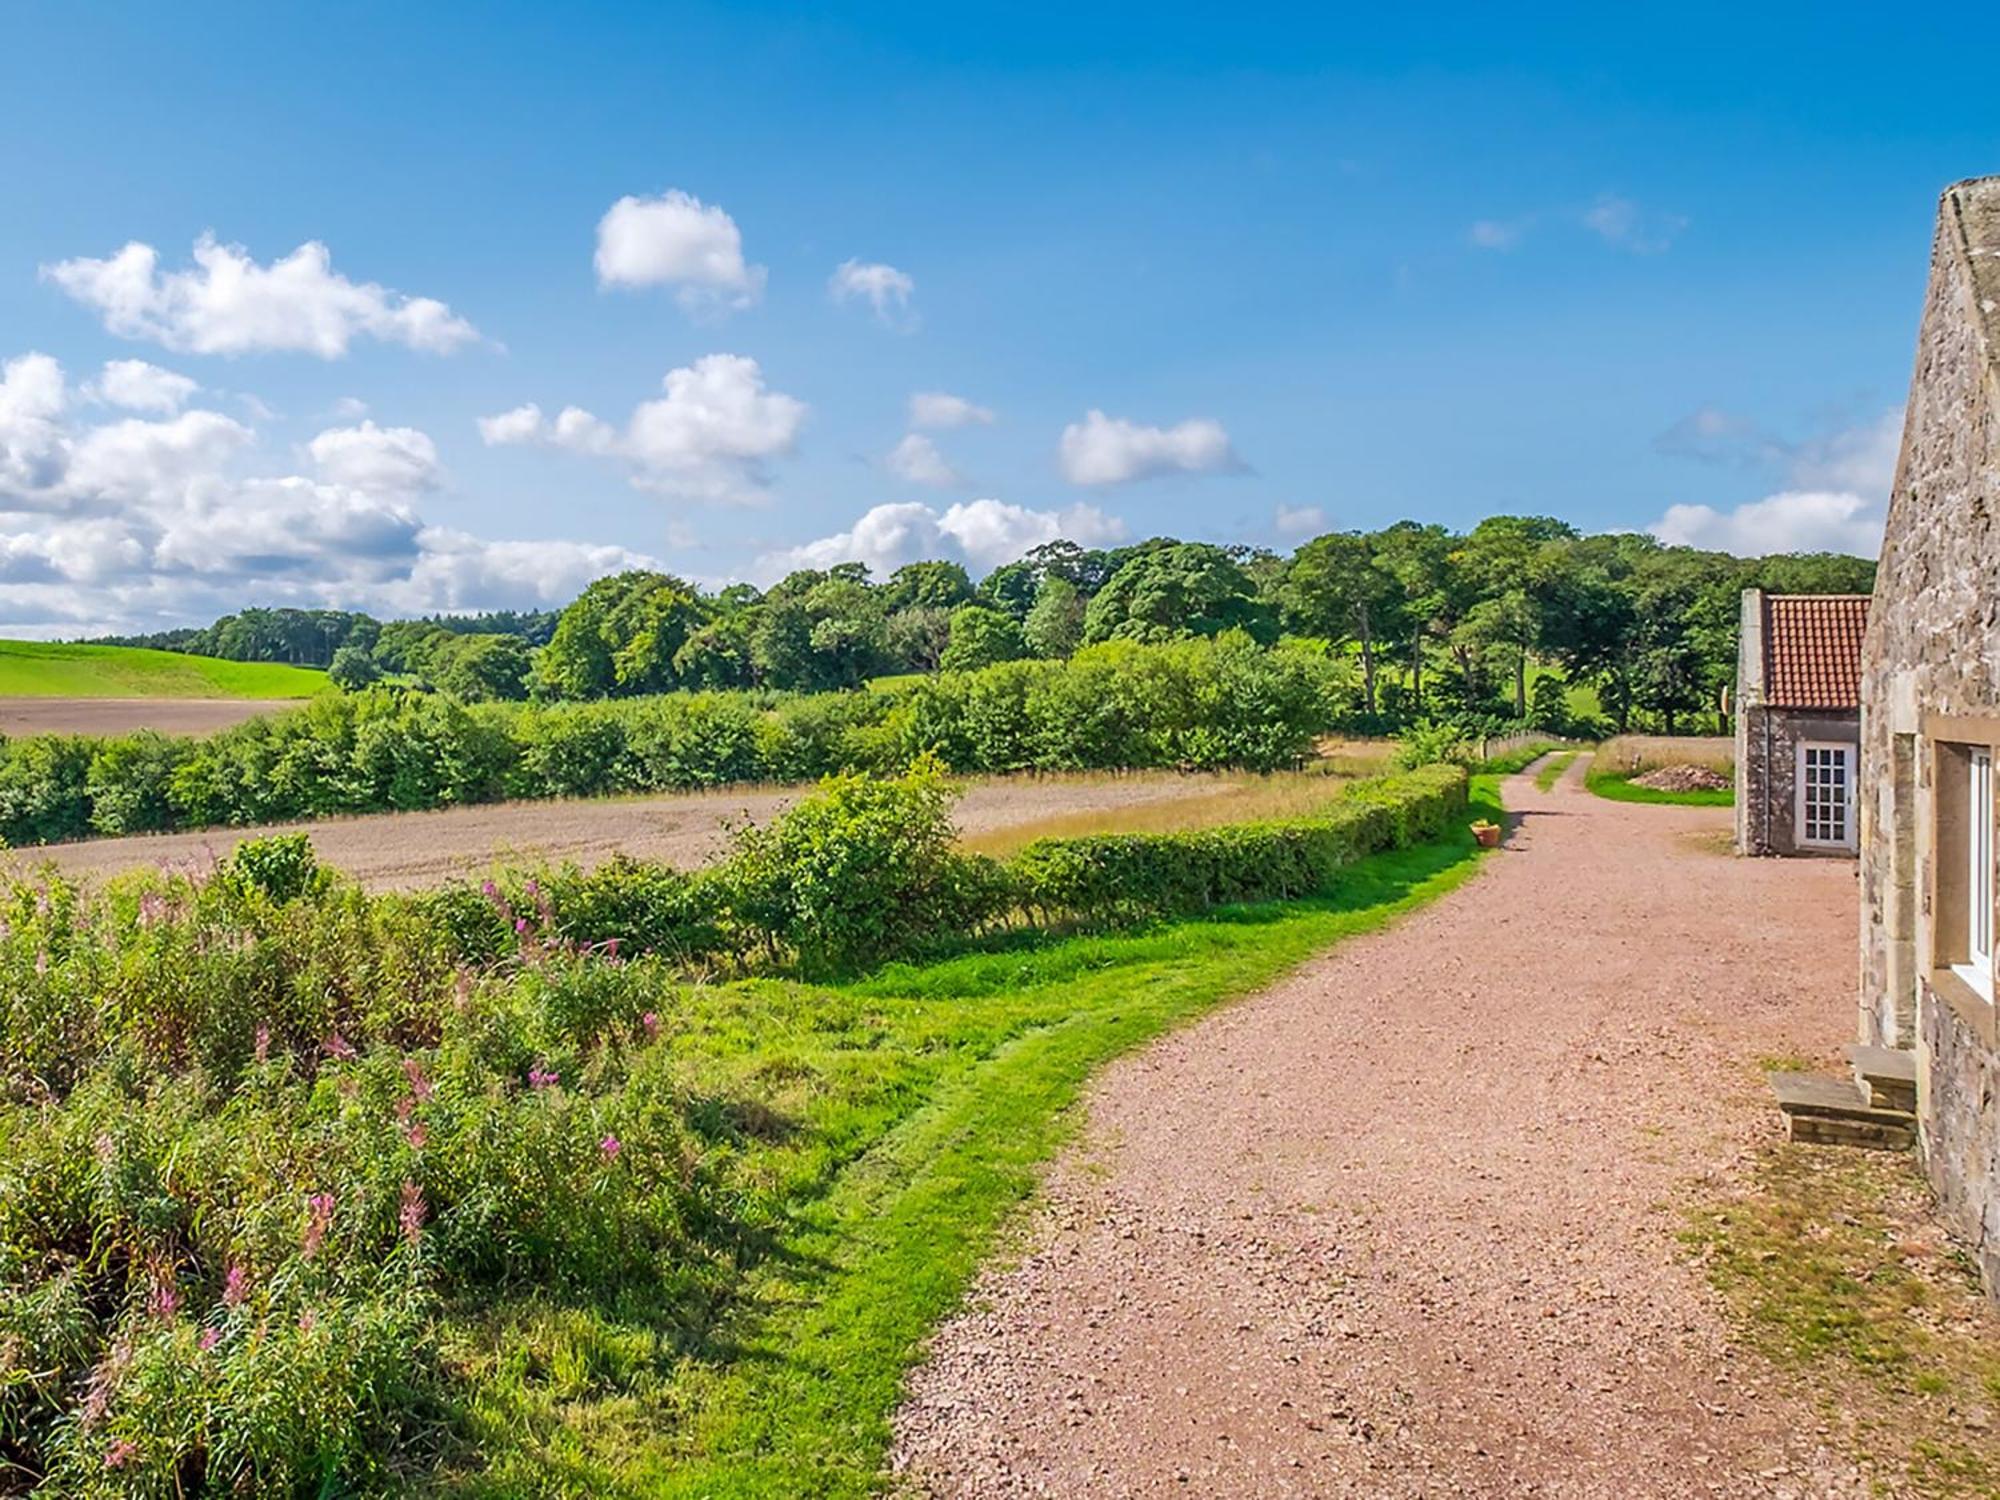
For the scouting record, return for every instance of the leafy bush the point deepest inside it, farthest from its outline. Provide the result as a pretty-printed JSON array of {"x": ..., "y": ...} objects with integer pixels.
[{"x": 1432, "y": 743}]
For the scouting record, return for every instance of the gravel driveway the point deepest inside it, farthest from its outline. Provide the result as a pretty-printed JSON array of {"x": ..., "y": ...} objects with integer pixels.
[{"x": 1405, "y": 1223}]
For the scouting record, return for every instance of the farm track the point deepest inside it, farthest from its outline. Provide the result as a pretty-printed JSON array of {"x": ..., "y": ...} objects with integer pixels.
[
  {"x": 1405, "y": 1224},
  {"x": 400, "y": 851}
]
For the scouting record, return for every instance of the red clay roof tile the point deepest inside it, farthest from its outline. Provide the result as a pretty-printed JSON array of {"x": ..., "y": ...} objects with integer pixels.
[{"x": 1812, "y": 650}]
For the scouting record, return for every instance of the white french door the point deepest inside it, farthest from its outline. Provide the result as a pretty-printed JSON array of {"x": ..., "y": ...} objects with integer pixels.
[
  {"x": 1979, "y": 877},
  {"x": 1826, "y": 795}
]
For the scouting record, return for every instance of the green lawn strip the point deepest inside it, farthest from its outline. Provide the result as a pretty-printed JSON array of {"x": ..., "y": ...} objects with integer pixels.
[
  {"x": 1617, "y": 787},
  {"x": 46, "y": 669},
  {"x": 1832, "y": 1263},
  {"x": 1508, "y": 762},
  {"x": 1550, "y": 774},
  {"x": 937, "y": 1094}
]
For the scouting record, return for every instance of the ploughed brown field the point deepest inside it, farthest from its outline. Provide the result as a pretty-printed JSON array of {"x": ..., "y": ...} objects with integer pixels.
[
  {"x": 402, "y": 851},
  {"x": 24, "y": 716}
]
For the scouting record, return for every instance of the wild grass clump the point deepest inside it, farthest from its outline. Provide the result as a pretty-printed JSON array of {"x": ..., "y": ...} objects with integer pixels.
[{"x": 1629, "y": 755}]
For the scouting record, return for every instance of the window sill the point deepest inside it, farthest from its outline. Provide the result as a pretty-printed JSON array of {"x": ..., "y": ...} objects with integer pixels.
[{"x": 1974, "y": 1009}]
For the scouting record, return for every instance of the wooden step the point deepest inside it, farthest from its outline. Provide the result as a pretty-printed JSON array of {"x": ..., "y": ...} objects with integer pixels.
[
  {"x": 1827, "y": 1111},
  {"x": 1889, "y": 1076}
]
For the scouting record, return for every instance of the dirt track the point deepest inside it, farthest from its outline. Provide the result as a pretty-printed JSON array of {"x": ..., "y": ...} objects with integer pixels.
[
  {"x": 392, "y": 851},
  {"x": 1404, "y": 1224},
  {"x": 19, "y": 716}
]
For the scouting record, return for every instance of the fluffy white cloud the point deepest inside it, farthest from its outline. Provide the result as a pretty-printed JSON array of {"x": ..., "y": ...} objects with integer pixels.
[
  {"x": 982, "y": 534},
  {"x": 1299, "y": 521},
  {"x": 677, "y": 240},
  {"x": 916, "y": 459},
  {"x": 1791, "y": 521},
  {"x": 1624, "y": 225},
  {"x": 1111, "y": 450},
  {"x": 883, "y": 288},
  {"x": 1834, "y": 499},
  {"x": 388, "y": 460},
  {"x": 139, "y": 386},
  {"x": 228, "y": 304},
  {"x": 137, "y": 523},
  {"x": 710, "y": 437},
  {"x": 942, "y": 409}
]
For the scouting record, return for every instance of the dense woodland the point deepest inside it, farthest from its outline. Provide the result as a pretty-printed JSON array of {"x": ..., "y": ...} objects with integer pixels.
[{"x": 1431, "y": 623}]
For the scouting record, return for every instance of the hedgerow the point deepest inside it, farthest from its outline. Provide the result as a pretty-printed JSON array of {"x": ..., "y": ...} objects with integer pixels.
[
  {"x": 1198, "y": 704},
  {"x": 265, "y": 1138}
]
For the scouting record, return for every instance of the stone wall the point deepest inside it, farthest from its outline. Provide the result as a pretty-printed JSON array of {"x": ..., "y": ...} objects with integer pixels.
[
  {"x": 1933, "y": 649},
  {"x": 1767, "y": 774}
]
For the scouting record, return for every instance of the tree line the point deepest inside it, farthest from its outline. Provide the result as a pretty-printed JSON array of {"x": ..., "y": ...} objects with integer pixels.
[{"x": 1496, "y": 622}]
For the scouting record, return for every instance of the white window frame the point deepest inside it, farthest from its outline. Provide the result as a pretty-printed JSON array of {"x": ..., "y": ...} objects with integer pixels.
[
  {"x": 1849, "y": 760},
  {"x": 1977, "y": 970}
]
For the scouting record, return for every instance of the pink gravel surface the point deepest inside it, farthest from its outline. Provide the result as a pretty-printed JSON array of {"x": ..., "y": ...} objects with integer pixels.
[{"x": 1404, "y": 1224}]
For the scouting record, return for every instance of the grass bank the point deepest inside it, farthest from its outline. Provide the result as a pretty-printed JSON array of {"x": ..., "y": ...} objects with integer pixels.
[
  {"x": 45, "y": 669},
  {"x": 1832, "y": 1263},
  {"x": 901, "y": 1119},
  {"x": 1618, "y": 787},
  {"x": 1550, "y": 774}
]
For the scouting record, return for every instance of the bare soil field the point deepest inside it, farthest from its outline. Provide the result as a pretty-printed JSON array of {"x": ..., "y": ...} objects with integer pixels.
[
  {"x": 24, "y": 716},
  {"x": 403, "y": 851}
]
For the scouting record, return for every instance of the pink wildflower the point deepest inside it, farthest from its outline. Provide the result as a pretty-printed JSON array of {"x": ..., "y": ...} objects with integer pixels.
[
  {"x": 210, "y": 1337},
  {"x": 235, "y": 1286},
  {"x": 165, "y": 1300},
  {"x": 521, "y": 926},
  {"x": 107, "y": 1149},
  {"x": 543, "y": 1078},
  {"x": 308, "y": 1321},
  {"x": 339, "y": 1046},
  {"x": 319, "y": 1218},
  {"x": 421, "y": 1087},
  {"x": 120, "y": 1453},
  {"x": 42, "y": 962},
  {"x": 489, "y": 890},
  {"x": 411, "y": 1218},
  {"x": 416, "y": 1136},
  {"x": 652, "y": 1024},
  {"x": 263, "y": 1044},
  {"x": 611, "y": 1146}
]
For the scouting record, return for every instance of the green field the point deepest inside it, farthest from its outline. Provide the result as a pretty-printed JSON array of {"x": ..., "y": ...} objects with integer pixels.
[{"x": 44, "y": 669}]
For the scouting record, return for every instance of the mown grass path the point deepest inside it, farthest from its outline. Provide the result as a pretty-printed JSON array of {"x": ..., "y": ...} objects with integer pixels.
[{"x": 1407, "y": 1222}]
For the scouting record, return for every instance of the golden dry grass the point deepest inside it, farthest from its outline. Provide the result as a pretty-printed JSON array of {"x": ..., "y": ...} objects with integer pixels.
[
  {"x": 1633, "y": 754},
  {"x": 1209, "y": 802}
]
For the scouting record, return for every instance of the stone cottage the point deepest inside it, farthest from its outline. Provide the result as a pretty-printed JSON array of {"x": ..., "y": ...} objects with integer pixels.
[
  {"x": 1930, "y": 731},
  {"x": 1798, "y": 722}
]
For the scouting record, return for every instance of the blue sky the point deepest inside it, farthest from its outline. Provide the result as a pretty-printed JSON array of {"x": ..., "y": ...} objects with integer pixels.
[{"x": 1315, "y": 270}]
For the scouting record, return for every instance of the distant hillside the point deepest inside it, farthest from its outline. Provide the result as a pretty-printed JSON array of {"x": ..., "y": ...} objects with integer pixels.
[{"x": 43, "y": 669}]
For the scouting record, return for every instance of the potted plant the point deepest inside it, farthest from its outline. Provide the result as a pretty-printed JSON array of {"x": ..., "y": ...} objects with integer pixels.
[{"x": 1488, "y": 834}]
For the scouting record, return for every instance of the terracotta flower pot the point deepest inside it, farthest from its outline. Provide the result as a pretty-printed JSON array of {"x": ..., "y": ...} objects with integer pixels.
[{"x": 1488, "y": 835}]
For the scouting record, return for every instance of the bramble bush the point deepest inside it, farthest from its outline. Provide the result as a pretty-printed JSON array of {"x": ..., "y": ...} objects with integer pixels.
[
  {"x": 270, "y": 1144},
  {"x": 1197, "y": 704}
]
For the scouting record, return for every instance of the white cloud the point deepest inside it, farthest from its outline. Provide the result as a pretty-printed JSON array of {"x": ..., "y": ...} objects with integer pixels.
[
  {"x": 983, "y": 534},
  {"x": 1111, "y": 450},
  {"x": 138, "y": 386},
  {"x": 916, "y": 459},
  {"x": 677, "y": 240},
  {"x": 386, "y": 460},
  {"x": 883, "y": 288},
  {"x": 1861, "y": 458},
  {"x": 350, "y": 409},
  {"x": 138, "y": 523},
  {"x": 1623, "y": 224},
  {"x": 709, "y": 438},
  {"x": 1497, "y": 234},
  {"x": 1791, "y": 521},
  {"x": 228, "y": 304},
  {"x": 1303, "y": 520},
  {"x": 941, "y": 409}
]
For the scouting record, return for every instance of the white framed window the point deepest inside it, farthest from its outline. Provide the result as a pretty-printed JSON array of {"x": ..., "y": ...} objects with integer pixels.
[
  {"x": 1824, "y": 815},
  {"x": 1977, "y": 970}
]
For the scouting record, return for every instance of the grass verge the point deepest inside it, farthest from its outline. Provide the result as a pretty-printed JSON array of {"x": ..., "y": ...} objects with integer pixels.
[
  {"x": 1618, "y": 787},
  {"x": 1832, "y": 1263},
  {"x": 1550, "y": 774},
  {"x": 901, "y": 1119}
]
